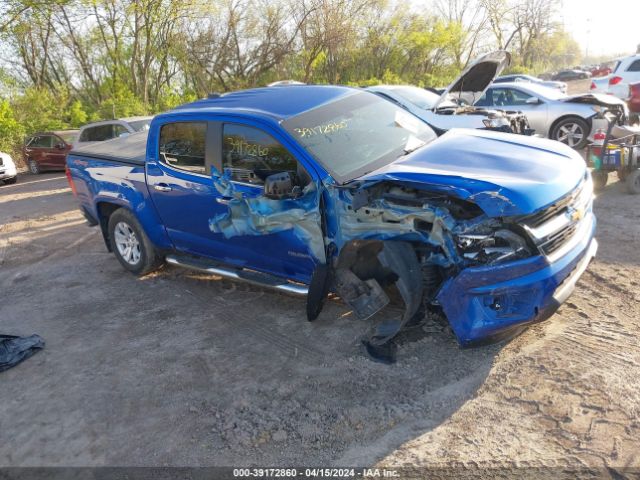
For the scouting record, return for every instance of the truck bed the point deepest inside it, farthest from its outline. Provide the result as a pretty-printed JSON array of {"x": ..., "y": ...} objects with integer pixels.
[{"x": 130, "y": 149}]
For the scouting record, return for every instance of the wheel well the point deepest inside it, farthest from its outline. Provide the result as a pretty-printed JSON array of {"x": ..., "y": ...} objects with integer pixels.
[
  {"x": 565, "y": 117},
  {"x": 105, "y": 210}
]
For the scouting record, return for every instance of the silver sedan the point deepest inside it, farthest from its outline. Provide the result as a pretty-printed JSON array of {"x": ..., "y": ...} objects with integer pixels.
[{"x": 569, "y": 119}]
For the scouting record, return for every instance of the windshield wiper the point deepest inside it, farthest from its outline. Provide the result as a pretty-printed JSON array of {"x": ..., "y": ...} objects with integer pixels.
[{"x": 413, "y": 148}]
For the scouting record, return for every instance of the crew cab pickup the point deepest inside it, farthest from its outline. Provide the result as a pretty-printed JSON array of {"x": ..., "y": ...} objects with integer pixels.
[{"x": 317, "y": 189}]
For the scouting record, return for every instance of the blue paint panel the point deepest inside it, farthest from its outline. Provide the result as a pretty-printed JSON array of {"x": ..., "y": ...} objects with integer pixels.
[
  {"x": 504, "y": 174},
  {"x": 102, "y": 181}
]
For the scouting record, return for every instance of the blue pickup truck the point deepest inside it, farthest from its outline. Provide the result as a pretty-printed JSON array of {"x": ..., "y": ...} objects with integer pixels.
[{"x": 318, "y": 189}]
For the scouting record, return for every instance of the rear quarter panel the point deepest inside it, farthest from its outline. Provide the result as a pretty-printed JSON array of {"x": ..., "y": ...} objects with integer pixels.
[{"x": 123, "y": 184}]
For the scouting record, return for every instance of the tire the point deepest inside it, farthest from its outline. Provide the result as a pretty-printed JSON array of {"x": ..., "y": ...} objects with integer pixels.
[
  {"x": 600, "y": 179},
  {"x": 11, "y": 181},
  {"x": 34, "y": 168},
  {"x": 130, "y": 244},
  {"x": 633, "y": 182},
  {"x": 572, "y": 131}
]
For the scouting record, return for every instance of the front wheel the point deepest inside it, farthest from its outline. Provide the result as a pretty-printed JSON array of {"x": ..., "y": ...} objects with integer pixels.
[
  {"x": 572, "y": 131},
  {"x": 130, "y": 244}
]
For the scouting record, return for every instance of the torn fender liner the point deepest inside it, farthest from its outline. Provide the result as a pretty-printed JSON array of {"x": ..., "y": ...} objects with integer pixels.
[
  {"x": 366, "y": 297},
  {"x": 14, "y": 350},
  {"x": 401, "y": 259}
]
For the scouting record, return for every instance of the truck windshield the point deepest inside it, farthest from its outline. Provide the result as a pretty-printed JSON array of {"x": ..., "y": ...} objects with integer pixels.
[{"x": 358, "y": 134}]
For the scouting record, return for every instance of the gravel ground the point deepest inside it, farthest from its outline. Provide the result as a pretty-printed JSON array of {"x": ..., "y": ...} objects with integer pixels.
[{"x": 182, "y": 369}]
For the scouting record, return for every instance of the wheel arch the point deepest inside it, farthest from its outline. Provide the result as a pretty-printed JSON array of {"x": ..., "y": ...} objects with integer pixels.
[
  {"x": 565, "y": 117},
  {"x": 105, "y": 209}
]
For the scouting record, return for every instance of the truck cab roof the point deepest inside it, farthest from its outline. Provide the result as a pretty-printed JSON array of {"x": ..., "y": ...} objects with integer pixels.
[{"x": 278, "y": 103}]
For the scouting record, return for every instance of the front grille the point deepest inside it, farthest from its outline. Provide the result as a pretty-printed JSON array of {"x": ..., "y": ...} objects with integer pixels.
[
  {"x": 554, "y": 209},
  {"x": 555, "y": 226},
  {"x": 559, "y": 238}
]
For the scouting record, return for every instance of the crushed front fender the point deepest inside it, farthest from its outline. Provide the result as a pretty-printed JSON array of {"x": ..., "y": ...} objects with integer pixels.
[{"x": 485, "y": 304}]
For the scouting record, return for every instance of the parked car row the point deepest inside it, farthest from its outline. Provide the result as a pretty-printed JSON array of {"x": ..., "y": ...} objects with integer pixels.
[
  {"x": 45, "y": 151},
  {"x": 480, "y": 98}
]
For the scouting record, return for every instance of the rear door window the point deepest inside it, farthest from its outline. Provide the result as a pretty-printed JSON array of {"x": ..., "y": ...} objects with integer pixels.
[
  {"x": 251, "y": 155},
  {"x": 509, "y": 96},
  {"x": 99, "y": 133},
  {"x": 119, "y": 130},
  {"x": 634, "y": 67},
  {"x": 182, "y": 146}
]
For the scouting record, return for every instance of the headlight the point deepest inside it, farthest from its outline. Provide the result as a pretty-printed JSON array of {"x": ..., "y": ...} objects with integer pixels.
[
  {"x": 493, "y": 122},
  {"x": 498, "y": 247}
]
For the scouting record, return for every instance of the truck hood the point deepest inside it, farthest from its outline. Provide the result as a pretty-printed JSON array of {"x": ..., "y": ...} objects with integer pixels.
[
  {"x": 476, "y": 78},
  {"x": 504, "y": 174}
]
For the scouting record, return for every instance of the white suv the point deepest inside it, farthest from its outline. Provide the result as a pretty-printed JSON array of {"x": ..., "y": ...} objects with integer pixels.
[
  {"x": 626, "y": 72},
  {"x": 8, "y": 171},
  {"x": 101, "y": 131}
]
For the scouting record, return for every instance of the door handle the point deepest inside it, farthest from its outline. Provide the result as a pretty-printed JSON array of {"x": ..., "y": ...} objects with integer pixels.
[
  {"x": 224, "y": 200},
  {"x": 162, "y": 187}
]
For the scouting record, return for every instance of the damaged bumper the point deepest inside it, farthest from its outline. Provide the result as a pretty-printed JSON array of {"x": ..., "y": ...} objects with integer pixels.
[{"x": 485, "y": 304}]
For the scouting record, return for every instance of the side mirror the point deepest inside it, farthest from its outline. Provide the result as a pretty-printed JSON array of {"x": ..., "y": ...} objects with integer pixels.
[
  {"x": 279, "y": 186},
  {"x": 60, "y": 146},
  {"x": 533, "y": 101},
  {"x": 124, "y": 134}
]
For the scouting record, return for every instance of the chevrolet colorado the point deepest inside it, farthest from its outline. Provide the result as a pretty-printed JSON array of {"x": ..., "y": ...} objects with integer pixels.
[{"x": 318, "y": 189}]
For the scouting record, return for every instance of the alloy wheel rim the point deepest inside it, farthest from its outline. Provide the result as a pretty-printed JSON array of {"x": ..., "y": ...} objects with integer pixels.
[
  {"x": 127, "y": 243},
  {"x": 570, "y": 133},
  {"x": 33, "y": 167}
]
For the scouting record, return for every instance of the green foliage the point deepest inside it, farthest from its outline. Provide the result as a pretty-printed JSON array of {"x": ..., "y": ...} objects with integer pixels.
[
  {"x": 11, "y": 131},
  {"x": 121, "y": 102},
  {"x": 76, "y": 114},
  {"x": 39, "y": 109},
  {"x": 120, "y": 58}
]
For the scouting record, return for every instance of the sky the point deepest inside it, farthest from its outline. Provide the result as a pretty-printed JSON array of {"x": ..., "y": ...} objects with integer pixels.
[{"x": 603, "y": 27}]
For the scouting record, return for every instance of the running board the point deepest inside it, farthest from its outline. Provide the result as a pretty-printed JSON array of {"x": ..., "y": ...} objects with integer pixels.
[{"x": 248, "y": 276}]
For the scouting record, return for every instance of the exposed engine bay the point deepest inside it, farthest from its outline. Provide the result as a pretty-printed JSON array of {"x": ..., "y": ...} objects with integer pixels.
[
  {"x": 509, "y": 121},
  {"x": 400, "y": 245}
]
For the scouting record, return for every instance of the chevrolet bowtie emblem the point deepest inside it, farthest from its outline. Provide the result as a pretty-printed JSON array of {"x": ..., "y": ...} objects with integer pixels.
[{"x": 575, "y": 214}]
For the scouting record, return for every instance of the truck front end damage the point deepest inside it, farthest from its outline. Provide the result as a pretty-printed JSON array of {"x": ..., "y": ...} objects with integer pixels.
[{"x": 491, "y": 274}]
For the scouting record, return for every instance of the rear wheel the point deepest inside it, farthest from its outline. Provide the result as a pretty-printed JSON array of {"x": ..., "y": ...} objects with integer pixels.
[
  {"x": 600, "y": 179},
  {"x": 572, "y": 131},
  {"x": 130, "y": 244},
  {"x": 633, "y": 182},
  {"x": 34, "y": 168}
]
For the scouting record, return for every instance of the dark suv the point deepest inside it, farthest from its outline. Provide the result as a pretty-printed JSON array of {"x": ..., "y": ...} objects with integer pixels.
[{"x": 48, "y": 150}]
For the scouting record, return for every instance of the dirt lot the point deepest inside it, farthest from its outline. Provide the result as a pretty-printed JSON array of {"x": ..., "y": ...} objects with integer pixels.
[{"x": 184, "y": 369}]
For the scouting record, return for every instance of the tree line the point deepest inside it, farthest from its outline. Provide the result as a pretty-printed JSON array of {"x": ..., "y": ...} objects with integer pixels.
[{"x": 67, "y": 62}]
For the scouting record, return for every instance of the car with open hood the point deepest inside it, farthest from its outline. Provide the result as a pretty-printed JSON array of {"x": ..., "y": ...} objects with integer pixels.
[
  {"x": 453, "y": 107},
  {"x": 315, "y": 189},
  {"x": 570, "y": 119}
]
